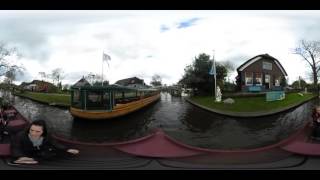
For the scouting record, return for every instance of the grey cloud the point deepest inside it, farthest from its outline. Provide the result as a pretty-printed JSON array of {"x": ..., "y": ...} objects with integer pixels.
[
  {"x": 308, "y": 29},
  {"x": 303, "y": 24},
  {"x": 148, "y": 77},
  {"x": 30, "y": 41},
  {"x": 129, "y": 51},
  {"x": 238, "y": 59},
  {"x": 24, "y": 77},
  {"x": 29, "y": 32},
  {"x": 73, "y": 77},
  {"x": 102, "y": 36},
  {"x": 164, "y": 28}
]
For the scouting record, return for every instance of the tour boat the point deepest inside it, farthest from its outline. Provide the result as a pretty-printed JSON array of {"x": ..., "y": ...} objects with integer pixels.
[{"x": 110, "y": 101}]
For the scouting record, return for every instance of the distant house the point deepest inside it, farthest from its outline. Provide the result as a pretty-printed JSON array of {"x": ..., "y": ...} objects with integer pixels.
[
  {"x": 132, "y": 82},
  {"x": 82, "y": 82},
  {"x": 31, "y": 87},
  {"x": 38, "y": 86},
  {"x": 261, "y": 73}
]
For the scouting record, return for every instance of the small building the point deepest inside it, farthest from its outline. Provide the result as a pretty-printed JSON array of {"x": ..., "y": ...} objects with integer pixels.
[
  {"x": 81, "y": 82},
  {"x": 261, "y": 73},
  {"x": 31, "y": 87},
  {"x": 38, "y": 86},
  {"x": 132, "y": 82}
]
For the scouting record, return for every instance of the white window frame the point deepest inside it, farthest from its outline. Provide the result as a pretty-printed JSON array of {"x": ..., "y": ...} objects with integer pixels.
[
  {"x": 275, "y": 83},
  {"x": 260, "y": 84},
  {"x": 245, "y": 79}
]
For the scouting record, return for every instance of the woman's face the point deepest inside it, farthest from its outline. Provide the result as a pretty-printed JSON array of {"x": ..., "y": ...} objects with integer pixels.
[{"x": 35, "y": 131}]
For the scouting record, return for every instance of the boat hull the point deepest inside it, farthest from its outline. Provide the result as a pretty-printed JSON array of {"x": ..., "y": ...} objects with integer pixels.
[{"x": 117, "y": 111}]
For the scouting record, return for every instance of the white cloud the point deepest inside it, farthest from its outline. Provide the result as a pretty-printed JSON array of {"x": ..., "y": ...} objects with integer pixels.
[{"x": 139, "y": 46}]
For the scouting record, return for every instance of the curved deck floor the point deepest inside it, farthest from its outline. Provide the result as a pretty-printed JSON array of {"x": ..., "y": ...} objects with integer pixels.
[{"x": 107, "y": 158}]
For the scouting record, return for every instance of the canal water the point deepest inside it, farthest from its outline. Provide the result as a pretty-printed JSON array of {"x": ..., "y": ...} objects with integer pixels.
[{"x": 179, "y": 119}]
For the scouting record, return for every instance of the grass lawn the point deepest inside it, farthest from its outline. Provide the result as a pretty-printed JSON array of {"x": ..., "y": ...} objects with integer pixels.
[
  {"x": 252, "y": 104},
  {"x": 63, "y": 99}
]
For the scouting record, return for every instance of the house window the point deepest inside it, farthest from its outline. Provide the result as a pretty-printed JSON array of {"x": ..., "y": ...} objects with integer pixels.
[
  {"x": 258, "y": 79},
  {"x": 249, "y": 78},
  {"x": 267, "y": 65},
  {"x": 277, "y": 81}
]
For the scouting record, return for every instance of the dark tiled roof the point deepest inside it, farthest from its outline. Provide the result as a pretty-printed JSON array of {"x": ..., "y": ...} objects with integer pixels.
[
  {"x": 35, "y": 82},
  {"x": 81, "y": 82},
  {"x": 133, "y": 80},
  {"x": 267, "y": 56}
]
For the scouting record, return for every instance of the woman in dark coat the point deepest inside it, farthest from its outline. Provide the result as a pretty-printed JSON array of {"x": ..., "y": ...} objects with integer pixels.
[
  {"x": 35, "y": 144},
  {"x": 316, "y": 123}
]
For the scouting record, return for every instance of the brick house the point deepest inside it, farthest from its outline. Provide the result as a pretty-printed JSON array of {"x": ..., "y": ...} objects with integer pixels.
[{"x": 261, "y": 73}]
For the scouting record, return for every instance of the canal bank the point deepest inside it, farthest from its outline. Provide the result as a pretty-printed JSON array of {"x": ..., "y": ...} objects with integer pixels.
[
  {"x": 249, "y": 114},
  {"x": 54, "y": 104}
]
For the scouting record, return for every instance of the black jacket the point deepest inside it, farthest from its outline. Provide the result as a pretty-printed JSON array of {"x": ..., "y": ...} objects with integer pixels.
[{"x": 22, "y": 146}]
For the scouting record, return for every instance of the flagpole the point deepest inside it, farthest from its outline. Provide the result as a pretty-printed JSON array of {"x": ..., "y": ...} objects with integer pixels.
[
  {"x": 215, "y": 77},
  {"x": 102, "y": 69}
]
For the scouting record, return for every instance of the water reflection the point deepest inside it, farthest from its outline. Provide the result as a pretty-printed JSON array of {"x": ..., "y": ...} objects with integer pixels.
[
  {"x": 178, "y": 119},
  {"x": 119, "y": 129}
]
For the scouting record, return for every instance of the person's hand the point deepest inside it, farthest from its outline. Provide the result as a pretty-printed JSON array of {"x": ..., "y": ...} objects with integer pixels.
[
  {"x": 73, "y": 151},
  {"x": 25, "y": 160}
]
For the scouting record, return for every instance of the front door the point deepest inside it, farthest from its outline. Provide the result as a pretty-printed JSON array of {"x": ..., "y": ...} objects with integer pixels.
[{"x": 267, "y": 81}]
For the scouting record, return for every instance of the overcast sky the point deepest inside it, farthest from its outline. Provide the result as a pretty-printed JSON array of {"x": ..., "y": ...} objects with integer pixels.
[{"x": 144, "y": 43}]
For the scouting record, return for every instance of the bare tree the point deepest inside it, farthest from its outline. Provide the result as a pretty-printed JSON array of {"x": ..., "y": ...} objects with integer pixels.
[
  {"x": 10, "y": 76},
  {"x": 229, "y": 66},
  {"x": 310, "y": 51},
  {"x": 57, "y": 75},
  {"x": 90, "y": 77},
  {"x": 5, "y": 64},
  {"x": 94, "y": 78},
  {"x": 66, "y": 87},
  {"x": 43, "y": 75}
]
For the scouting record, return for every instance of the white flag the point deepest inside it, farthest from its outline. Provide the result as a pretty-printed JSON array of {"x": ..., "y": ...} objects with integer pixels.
[
  {"x": 213, "y": 69},
  {"x": 106, "y": 57}
]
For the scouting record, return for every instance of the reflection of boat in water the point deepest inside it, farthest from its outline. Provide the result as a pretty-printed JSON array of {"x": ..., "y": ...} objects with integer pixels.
[{"x": 105, "y": 102}]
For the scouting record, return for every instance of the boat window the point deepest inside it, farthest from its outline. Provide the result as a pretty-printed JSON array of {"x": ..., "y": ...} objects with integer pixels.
[
  {"x": 106, "y": 101},
  {"x": 76, "y": 98},
  {"x": 94, "y": 100},
  {"x": 118, "y": 95},
  {"x": 130, "y": 94},
  {"x": 126, "y": 96}
]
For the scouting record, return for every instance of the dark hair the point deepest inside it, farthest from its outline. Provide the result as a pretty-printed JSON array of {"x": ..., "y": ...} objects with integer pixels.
[
  {"x": 41, "y": 123},
  {"x": 315, "y": 114}
]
